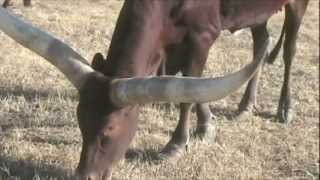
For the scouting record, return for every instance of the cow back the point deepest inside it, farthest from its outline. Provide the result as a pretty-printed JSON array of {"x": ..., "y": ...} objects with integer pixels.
[{"x": 238, "y": 14}]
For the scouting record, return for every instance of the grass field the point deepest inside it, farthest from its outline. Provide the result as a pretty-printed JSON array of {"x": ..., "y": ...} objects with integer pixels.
[{"x": 40, "y": 138}]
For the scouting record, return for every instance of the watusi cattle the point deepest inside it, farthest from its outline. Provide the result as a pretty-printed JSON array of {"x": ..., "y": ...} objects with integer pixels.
[
  {"x": 108, "y": 106},
  {"x": 148, "y": 33}
]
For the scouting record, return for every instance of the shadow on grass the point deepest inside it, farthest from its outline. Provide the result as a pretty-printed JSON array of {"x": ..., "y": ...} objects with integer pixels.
[
  {"x": 53, "y": 141},
  {"x": 31, "y": 94},
  {"x": 228, "y": 113},
  {"x": 24, "y": 170},
  {"x": 145, "y": 156},
  {"x": 12, "y": 118},
  {"x": 231, "y": 114}
]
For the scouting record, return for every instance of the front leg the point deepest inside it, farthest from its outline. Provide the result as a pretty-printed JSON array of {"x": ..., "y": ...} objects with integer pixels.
[
  {"x": 180, "y": 137},
  {"x": 205, "y": 128},
  {"x": 195, "y": 54}
]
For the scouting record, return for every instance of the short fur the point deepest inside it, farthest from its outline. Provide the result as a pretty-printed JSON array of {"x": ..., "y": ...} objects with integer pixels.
[{"x": 161, "y": 37}]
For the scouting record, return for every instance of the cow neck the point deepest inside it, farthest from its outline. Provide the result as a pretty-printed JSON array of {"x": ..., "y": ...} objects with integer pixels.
[{"x": 136, "y": 42}]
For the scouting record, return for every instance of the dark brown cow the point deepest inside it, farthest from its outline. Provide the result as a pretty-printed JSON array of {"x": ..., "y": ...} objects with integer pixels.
[
  {"x": 7, "y": 3},
  {"x": 108, "y": 107},
  {"x": 148, "y": 32},
  {"x": 294, "y": 12},
  {"x": 179, "y": 35}
]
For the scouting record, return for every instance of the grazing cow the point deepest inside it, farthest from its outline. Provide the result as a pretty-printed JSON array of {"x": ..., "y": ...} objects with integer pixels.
[
  {"x": 7, "y": 3},
  {"x": 108, "y": 105},
  {"x": 294, "y": 12},
  {"x": 148, "y": 33}
]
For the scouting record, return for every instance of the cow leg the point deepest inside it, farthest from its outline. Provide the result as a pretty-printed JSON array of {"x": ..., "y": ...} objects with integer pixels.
[
  {"x": 261, "y": 42},
  {"x": 196, "y": 55},
  {"x": 6, "y": 3},
  {"x": 294, "y": 14},
  {"x": 205, "y": 129},
  {"x": 27, "y": 2},
  {"x": 180, "y": 137}
]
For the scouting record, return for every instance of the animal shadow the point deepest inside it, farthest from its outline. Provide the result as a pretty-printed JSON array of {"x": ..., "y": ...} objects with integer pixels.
[
  {"x": 228, "y": 113},
  {"x": 145, "y": 156},
  {"x": 267, "y": 115},
  {"x": 232, "y": 114},
  {"x": 30, "y": 94},
  {"x": 26, "y": 170}
]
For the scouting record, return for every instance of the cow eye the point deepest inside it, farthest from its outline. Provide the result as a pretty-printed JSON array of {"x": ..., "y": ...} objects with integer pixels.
[{"x": 105, "y": 141}]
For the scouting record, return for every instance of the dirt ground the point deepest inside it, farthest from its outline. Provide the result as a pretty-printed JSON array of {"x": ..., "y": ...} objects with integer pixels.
[{"x": 40, "y": 138}]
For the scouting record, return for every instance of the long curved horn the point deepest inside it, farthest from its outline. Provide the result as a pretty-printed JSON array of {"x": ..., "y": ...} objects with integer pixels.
[
  {"x": 59, "y": 54},
  {"x": 179, "y": 89}
]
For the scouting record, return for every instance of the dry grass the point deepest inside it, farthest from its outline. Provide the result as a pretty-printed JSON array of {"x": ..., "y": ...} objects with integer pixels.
[{"x": 40, "y": 139}]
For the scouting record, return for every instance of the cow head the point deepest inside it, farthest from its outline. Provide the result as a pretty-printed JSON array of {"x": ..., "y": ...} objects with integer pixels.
[
  {"x": 106, "y": 129},
  {"x": 108, "y": 106}
]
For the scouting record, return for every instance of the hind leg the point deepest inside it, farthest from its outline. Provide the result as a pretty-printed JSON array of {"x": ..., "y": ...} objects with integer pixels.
[
  {"x": 294, "y": 14},
  {"x": 260, "y": 44}
]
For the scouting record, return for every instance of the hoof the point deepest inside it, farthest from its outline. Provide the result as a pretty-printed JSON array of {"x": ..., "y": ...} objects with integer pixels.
[
  {"x": 285, "y": 116},
  {"x": 172, "y": 151},
  {"x": 206, "y": 132}
]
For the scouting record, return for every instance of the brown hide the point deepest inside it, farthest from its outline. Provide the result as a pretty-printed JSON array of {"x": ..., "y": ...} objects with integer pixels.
[
  {"x": 149, "y": 33},
  {"x": 169, "y": 34},
  {"x": 246, "y": 13}
]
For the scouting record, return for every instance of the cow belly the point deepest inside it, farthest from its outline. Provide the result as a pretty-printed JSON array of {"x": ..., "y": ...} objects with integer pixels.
[{"x": 237, "y": 14}]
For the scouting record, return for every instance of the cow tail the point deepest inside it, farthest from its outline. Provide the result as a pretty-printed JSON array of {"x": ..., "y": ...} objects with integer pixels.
[{"x": 275, "y": 51}]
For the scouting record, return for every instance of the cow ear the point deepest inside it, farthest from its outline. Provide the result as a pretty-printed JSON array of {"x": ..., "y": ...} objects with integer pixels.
[{"x": 98, "y": 62}]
